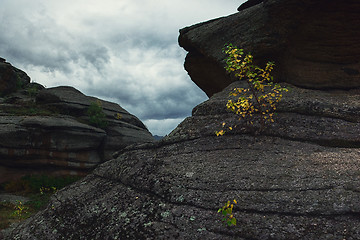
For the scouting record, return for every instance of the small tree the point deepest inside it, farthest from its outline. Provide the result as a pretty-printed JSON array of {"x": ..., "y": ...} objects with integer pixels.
[
  {"x": 262, "y": 94},
  {"x": 227, "y": 212},
  {"x": 259, "y": 99},
  {"x": 96, "y": 115}
]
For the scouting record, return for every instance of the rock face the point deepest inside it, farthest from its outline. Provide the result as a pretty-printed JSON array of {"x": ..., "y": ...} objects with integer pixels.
[
  {"x": 49, "y": 130},
  {"x": 123, "y": 128},
  {"x": 11, "y": 78},
  {"x": 298, "y": 180},
  {"x": 315, "y": 44},
  {"x": 249, "y": 3}
]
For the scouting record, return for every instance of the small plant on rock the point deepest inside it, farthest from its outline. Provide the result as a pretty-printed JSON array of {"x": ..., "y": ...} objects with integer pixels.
[
  {"x": 20, "y": 210},
  {"x": 227, "y": 212},
  {"x": 32, "y": 92},
  {"x": 37, "y": 188},
  {"x": 118, "y": 116},
  {"x": 261, "y": 96},
  {"x": 96, "y": 115},
  {"x": 19, "y": 83},
  {"x": 44, "y": 190}
]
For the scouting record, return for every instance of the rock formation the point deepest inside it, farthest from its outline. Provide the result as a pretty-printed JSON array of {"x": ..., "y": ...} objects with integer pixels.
[
  {"x": 11, "y": 78},
  {"x": 249, "y": 3},
  {"x": 315, "y": 44},
  {"x": 49, "y": 130},
  {"x": 299, "y": 179}
]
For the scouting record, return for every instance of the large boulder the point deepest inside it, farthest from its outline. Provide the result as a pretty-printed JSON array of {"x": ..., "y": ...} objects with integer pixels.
[
  {"x": 315, "y": 44},
  {"x": 298, "y": 180},
  {"x": 123, "y": 128},
  {"x": 48, "y": 130}
]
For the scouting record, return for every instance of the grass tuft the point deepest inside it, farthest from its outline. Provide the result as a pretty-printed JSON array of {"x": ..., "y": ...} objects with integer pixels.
[{"x": 38, "y": 188}]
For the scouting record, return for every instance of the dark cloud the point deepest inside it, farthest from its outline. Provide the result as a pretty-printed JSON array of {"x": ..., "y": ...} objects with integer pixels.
[
  {"x": 123, "y": 51},
  {"x": 153, "y": 84},
  {"x": 163, "y": 105}
]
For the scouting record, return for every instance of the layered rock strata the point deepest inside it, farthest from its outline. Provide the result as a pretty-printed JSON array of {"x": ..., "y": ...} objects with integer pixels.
[
  {"x": 47, "y": 130},
  {"x": 315, "y": 44},
  {"x": 297, "y": 180}
]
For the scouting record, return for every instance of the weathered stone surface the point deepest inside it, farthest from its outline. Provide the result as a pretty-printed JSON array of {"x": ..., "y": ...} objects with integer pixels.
[
  {"x": 248, "y": 4},
  {"x": 298, "y": 180},
  {"x": 13, "y": 198},
  {"x": 71, "y": 101},
  {"x": 37, "y": 142},
  {"x": 121, "y": 131},
  {"x": 48, "y": 131},
  {"x": 315, "y": 44},
  {"x": 11, "y": 78}
]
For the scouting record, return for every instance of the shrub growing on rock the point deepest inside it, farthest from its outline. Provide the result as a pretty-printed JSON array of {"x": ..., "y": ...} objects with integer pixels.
[
  {"x": 261, "y": 96},
  {"x": 96, "y": 115},
  {"x": 258, "y": 100},
  {"x": 227, "y": 212}
]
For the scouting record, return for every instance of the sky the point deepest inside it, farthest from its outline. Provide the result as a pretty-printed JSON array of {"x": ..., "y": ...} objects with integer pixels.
[{"x": 123, "y": 51}]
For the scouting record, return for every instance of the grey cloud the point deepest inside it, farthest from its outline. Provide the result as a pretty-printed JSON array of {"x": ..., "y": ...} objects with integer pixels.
[
  {"x": 159, "y": 127},
  {"x": 95, "y": 55},
  {"x": 152, "y": 103},
  {"x": 41, "y": 41},
  {"x": 124, "y": 51}
]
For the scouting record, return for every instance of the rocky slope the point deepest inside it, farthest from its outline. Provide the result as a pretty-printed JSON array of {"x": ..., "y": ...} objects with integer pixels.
[
  {"x": 49, "y": 129},
  {"x": 299, "y": 179}
]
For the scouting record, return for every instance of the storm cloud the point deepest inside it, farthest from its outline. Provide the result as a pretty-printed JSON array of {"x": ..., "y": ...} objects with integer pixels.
[{"x": 122, "y": 51}]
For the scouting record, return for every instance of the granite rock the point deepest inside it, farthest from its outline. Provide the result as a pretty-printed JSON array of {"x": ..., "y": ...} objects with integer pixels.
[{"x": 314, "y": 44}]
